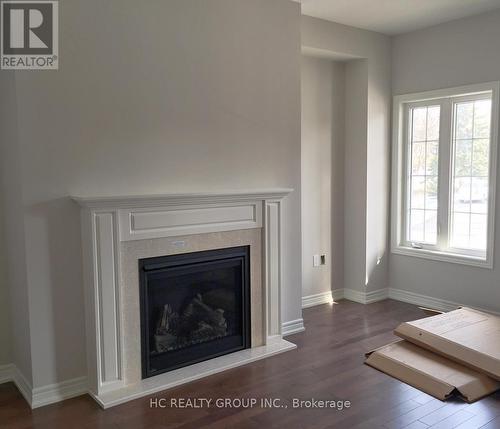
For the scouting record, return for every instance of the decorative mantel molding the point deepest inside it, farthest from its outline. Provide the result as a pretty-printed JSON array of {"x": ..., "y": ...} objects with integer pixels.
[
  {"x": 162, "y": 200},
  {"x": 109, "y": 220}
]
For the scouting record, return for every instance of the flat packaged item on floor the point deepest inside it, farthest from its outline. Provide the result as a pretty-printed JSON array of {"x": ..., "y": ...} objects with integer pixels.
[
  {"x": 430, "y": 372},
  {"x": 467, "y": 336}
]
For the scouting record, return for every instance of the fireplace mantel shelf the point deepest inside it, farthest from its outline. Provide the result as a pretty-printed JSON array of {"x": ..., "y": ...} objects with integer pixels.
[{"x": 160, "y": 200}]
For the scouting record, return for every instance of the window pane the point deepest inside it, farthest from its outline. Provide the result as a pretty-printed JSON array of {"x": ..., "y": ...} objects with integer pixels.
[
  {"x": 464, "y": 114},
  {"x": 463, "y": 157},
  {"x": 479, "y": 195},
  {"x": 418, "y": 158},
  {"x": 430, "y": 231},
  {"x": 417, "y": 225},
  {"x": 480, "y": 157},
  {"x": 431, "y": 159},
  {"x": 433, "y": 113},
  {"x": 431, "y": 190},
  {"x": 471, "y": 149},
  {"x": 419, "y": 124},
  {"x": 423, "y": 180},
  {"x": 417, "y": 192},
  {"x": 482, "y": 119},
  {"x": 460, "y": 230},
  {"x": 478, "y": 231},
  {"x": 461, "y": 194}
]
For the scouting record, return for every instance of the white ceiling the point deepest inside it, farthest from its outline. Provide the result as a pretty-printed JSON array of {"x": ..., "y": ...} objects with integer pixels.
[{"x": 395, "y": 16}]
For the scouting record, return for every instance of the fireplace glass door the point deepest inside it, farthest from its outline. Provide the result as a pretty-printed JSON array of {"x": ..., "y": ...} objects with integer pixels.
[{"x": 194, "y": 307}]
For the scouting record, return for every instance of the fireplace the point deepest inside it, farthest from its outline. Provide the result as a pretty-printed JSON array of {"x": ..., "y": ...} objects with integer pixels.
[
  {"x": 194, "y": 307},
  {"x": 119, "y": 231}
]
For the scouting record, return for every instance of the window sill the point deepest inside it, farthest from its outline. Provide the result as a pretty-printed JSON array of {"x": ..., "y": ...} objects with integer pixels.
[{"x": 435, "y": 255}]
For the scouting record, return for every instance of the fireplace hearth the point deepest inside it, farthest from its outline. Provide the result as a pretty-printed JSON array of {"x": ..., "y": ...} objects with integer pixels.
[{"x": 194, "y": 307}]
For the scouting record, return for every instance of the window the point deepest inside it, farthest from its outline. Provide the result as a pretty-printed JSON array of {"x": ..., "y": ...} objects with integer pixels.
[{"x": 444, "y": 169}]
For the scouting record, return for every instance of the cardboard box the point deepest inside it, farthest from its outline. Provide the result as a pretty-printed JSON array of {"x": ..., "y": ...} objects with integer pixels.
[
  {"x": 430, "y": 311},
  {"x": 467, "y": 336},
  {"x": 431, "y": 373}
]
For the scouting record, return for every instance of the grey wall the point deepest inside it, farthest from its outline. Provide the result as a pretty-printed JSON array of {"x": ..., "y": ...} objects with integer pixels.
[
  {"x": 323, "y": 123},
  {"x": 161, "y": 96},
  {"x": 13, "y": 236},
  {"x": 456, "y": 53},
  {"x": 5, "y": 342}
]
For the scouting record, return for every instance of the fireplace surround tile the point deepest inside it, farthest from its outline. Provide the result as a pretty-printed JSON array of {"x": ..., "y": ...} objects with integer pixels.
[{"x": 132, "y": 251}]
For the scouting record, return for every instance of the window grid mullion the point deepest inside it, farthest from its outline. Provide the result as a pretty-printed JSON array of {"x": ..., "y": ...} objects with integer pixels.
[
  {"x": 409, "y": 175},
  {"x": 471, "y": 172},
  {"x": 407, "y": 185},
  {"x": 425, "y": 170},
  {"x": 444, "y": 182}
]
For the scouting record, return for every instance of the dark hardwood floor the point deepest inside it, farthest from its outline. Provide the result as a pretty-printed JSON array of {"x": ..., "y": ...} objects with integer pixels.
[{"x": 327, "y": 365}]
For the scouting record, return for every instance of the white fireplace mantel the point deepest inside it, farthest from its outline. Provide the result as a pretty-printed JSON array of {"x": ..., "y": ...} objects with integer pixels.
[
  {"x": 108, "y": 221},
  {"x": 128, "y": 201}
]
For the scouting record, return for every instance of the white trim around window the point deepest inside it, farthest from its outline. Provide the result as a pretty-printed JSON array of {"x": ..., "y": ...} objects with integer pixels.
[{"x": 440, "y": 248}]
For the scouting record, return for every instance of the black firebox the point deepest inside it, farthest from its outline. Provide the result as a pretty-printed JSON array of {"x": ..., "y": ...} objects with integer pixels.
[{"x": 194, "y": 307}]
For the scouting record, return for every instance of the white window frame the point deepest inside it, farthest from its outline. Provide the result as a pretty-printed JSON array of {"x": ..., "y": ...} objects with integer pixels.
[{"x": 401, "y": 105}]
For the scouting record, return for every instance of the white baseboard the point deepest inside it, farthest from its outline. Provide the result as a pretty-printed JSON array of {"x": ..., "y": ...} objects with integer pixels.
[
  {"x": 6, "y": 373},
  {"x": 10, "y": 373},
  {"x": 59, "y": 392},
  {"x": 430, "y": 302},
  {"x": 377, "y": 295},
  {"x": 403, "y": 296},
  {"x": 355, "y": 296},
  {"x": 40, "y": 396},
  {"x": 322, "y": 298},
  {"x": 317, "y": 299},
  {"x": 338, "y": 294},
  {"x": 366, "y": 297},
  {"x": 421, "y": 300},
  {"x": 349, "y": 294},
  {"x": 292, "y": 327},
  {"x": 23, "y": 385}
]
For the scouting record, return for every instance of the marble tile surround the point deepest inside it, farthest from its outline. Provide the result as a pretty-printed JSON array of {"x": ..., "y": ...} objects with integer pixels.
[{"x": 132, "y": 251}]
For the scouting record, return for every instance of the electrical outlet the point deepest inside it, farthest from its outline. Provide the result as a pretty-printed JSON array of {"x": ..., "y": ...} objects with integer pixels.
[
  {"x": 323, "y": 259},
  {"x": 316, "y": 261}
]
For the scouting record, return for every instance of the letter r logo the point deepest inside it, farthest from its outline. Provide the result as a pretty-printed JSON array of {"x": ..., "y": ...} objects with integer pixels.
[{"x": 27, "y": 28}]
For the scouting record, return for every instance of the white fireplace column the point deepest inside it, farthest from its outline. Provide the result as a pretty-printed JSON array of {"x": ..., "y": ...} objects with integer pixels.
[{"x": 109, "y": 221}]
